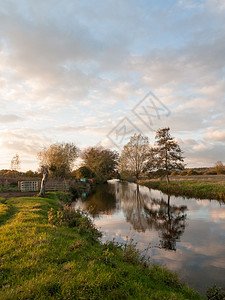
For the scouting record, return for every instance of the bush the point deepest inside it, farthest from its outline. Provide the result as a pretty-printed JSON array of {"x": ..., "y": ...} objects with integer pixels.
[
  {"x": 183, "y": 173},
  {"x": 127, "y": 175},
  {"x": 174, "y": 173},
  {"x": 64, "y": 197},
  {"x": 210, "y": 172},
  {"x": 70, "y": 217},
  {"x": 215, "y": 293},
  {"x": 192, "y": 172}
]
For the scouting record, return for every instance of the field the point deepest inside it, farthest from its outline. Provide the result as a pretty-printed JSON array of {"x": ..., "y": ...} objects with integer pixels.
[
  {"x": 198, "y": 186},
  {"x": 44, "y": 255}
]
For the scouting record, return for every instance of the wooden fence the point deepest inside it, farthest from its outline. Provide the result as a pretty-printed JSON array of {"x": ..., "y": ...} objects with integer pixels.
[{"x": 34, "y": 186}]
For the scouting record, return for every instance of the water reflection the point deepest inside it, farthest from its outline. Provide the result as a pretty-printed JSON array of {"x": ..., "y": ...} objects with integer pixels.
[
  {"x": 102, "y": 201},
  {"x": 194, "y": 228},
  {"x": 140, "y": 210},
  {"x": 169, "y": 220},
  {"x": 145, "y": 212}
]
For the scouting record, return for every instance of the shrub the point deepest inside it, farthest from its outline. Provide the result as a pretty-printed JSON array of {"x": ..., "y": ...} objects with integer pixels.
[
  {"x": 183, "y": 173},
  {"x": 64, "y": 197},
  {"x": 215, "y": 293},
  {"x": 70, "y": 217},
  {"x": 192, "y": 172},
  {"x": 210, "y": 172},
  {"x": 127, "y": 175},
  {"x": 133, "y": 255},
  {"x": 174, "y": 173}
]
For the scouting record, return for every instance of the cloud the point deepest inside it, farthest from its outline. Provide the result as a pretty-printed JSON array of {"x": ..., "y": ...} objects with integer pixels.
[
  {"x": 24, "y": 140},
  {"x": 70, "y": 128},
  {"x": 71, "y": 69},
  {"x": 215, "y": 135},
  {"x": 4, "y": 118}
]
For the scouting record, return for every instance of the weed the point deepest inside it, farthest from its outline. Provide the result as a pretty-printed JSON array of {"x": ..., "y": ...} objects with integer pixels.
[
  {"x": 215, "y": 293},
  {"x": 70, "y": 217}
]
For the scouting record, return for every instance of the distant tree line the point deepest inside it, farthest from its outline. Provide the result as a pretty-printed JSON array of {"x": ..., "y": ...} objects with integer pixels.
[{"x": 138, "y": 159}]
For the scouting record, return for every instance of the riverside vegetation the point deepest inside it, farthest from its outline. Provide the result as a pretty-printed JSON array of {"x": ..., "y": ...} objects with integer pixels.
[
  {"x": 208, "y": 187},
  {"x": 50, "y": 251}
]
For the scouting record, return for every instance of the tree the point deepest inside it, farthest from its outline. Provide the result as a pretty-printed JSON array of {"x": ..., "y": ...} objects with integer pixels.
[
  {"x": 83, "y": 172},
  {"x": 102, "y": 162},
  {"x": 166, "y": 155},
  {"x": 59, "y": 158},
  {"x": 15, "y": 163},
  {"x": 133, "y": 158},
  {"x": 43, "y": 181},
  {"x": 219, "y": 167}
]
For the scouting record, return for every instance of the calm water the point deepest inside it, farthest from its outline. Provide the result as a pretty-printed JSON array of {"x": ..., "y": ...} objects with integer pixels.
[{"x": 186, "y": 235}]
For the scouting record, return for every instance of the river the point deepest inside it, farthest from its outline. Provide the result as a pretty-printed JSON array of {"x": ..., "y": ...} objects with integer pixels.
[{"x": 185, "y": 235}]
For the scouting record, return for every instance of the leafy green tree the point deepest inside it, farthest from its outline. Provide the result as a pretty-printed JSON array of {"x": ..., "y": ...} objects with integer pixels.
[
  {"x": 59, "y": 159},
  {"x": 102, "y": 162},
  {"x": 134, "y": 158},
  {"x": 83, "y": 172},
  {"x": 166, "y": 155}
]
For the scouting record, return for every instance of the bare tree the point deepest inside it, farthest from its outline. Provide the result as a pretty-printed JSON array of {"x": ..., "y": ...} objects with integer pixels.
[
  {"x": 15, "y": 163},
  {"x": 134, "y": 155}
]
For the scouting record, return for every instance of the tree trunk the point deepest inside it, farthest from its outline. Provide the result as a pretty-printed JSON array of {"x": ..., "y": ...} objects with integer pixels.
[
  {"x": 44, "y": 181},
  {"x": 168, "y": 210},
  {"x": 167, "y": 179}
]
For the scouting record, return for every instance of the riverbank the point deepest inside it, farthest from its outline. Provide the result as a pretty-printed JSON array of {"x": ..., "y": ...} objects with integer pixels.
[
  {"x": 45, "y": 256},
  {"x": 203, "y": 187}
]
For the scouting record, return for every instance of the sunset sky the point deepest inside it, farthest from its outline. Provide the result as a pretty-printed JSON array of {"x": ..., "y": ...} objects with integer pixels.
[{"x": 73, "y": 71}]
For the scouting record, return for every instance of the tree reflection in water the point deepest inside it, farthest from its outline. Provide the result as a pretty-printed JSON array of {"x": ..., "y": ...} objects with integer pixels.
[
  {"x": 144, "y": 212},
  {"x": 169, "y": 220},
  {"x": 140, "y": 209},
  {"x": 158, "y": 220},
  {"x": 102, "y": 201}
]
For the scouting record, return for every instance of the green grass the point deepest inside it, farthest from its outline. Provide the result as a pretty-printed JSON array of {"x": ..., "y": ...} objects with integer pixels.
[
  {"x": 195, "y": 186},
  {"x": 39, "y": 260}
]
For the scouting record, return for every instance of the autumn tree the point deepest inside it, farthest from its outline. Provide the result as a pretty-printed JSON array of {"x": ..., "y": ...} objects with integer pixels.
[
  {"x": 102, "y": 162},
  {"x": 59, "y": 158},
  {"x": 134, "y": 155},
  {"x": 166, "y": 155},
  {"x": 219, "y": 167},
  {"x": 15, "y": 163}
]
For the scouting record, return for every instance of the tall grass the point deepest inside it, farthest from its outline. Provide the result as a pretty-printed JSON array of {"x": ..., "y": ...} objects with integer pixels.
[{"x": 44, "y": 255}]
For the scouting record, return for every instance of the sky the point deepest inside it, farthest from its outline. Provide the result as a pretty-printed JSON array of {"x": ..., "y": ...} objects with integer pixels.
[{"x": 96, "y": 72}]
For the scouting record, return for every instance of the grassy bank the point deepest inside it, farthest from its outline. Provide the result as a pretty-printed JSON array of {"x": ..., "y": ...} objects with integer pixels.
[
  {"x": 42, "y": 256},
  {"x": 204, "y": 187}
]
